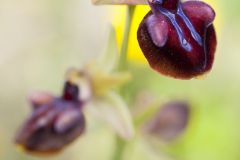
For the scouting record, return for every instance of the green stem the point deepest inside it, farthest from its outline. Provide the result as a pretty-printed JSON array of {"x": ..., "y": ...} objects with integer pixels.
[
  {"x": 125, "y": 42},
  {"x": 120, "y": 143},
  {"x": 119, "y": 150}
]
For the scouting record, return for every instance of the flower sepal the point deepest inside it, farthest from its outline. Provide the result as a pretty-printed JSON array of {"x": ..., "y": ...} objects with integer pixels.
[{"x": 111, "y": 109}]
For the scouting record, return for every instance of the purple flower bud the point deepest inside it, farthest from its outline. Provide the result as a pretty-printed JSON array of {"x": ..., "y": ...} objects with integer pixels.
[
  {"x": 54, "y": 123},
  {"x": 170, "y": 121},
  {"x": 178, "y": 39}
]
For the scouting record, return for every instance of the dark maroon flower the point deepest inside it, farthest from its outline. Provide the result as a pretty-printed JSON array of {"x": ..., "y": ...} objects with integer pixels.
[
  {"x": 178, "y": 39},
  {"x": 170, "y": 121},
  {"x": 54, "y": 123}
]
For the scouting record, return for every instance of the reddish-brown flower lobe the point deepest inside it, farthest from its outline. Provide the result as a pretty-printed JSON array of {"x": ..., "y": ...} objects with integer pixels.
[
  {"x": 178, "y": 39},
  {"x": 54, "y": 123}
]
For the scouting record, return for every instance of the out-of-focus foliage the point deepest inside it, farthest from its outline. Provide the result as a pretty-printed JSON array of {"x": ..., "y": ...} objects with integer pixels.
[{"x": 41, "y": 39}]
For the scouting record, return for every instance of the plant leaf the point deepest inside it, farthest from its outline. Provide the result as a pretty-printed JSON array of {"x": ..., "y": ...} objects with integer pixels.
[
  {"x": 113, "y": 110},
  {"x": 127, "y": 2}
]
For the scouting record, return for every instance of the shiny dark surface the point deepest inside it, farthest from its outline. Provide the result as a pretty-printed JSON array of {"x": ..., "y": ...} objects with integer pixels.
[
  {"x": 181, "y": 36},
  {"x": 186, "y": 35}
]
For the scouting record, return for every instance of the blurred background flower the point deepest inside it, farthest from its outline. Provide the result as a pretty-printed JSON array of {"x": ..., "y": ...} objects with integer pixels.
[
  {"x": 41, "y": 39},
  {"x": 55, "y": 122}
]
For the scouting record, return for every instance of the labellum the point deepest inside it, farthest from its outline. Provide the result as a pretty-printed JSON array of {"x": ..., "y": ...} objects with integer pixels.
[
  {"x": 178, "y": 39},
  {"x": 54, "y": 123}
]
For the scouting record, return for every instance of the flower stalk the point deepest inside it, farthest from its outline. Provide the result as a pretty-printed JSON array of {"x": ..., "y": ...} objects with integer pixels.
[
  {"x": 124, "y": 48},
  {"x": 120, "y": 143},
  {"x": 119, "y": 151}
]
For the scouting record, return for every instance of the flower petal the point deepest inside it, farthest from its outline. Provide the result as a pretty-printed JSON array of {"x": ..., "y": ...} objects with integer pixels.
[
  {"x": 113, "y": 110},
  {"x": 38, "y": 98},
  {"x": 103, "y": 82},
  {"x": 158, "y": 30}
]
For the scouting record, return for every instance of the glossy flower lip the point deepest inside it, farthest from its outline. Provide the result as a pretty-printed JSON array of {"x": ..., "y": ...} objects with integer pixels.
[
  {"x": 54, "y": 123},
  {"x": 179, "y": 42}
]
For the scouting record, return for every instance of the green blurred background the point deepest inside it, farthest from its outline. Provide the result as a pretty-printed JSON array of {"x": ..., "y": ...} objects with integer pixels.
[{"x": 39, "y": 40}]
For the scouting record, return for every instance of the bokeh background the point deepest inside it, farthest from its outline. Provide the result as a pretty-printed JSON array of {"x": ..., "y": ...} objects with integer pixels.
[{"x": 41, "y": 39}]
